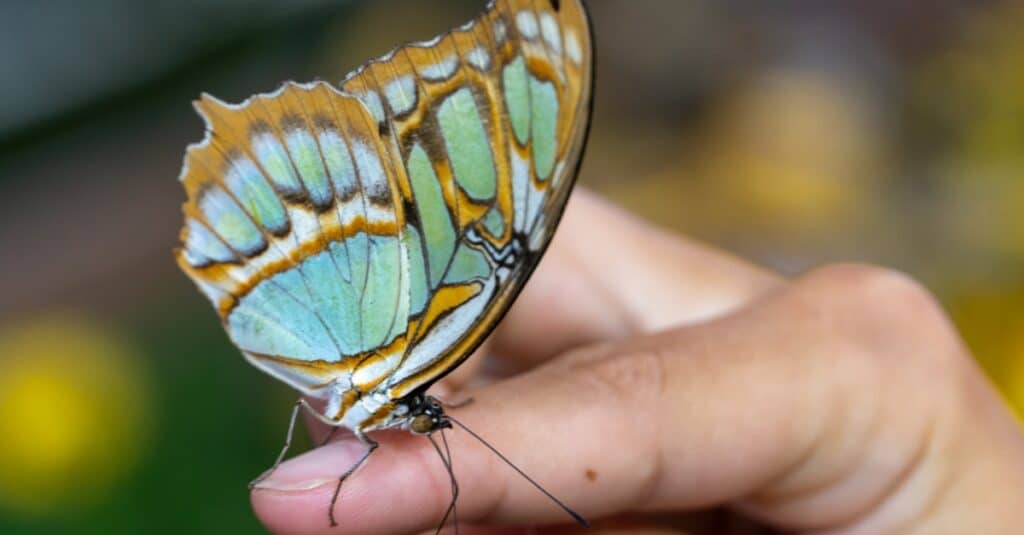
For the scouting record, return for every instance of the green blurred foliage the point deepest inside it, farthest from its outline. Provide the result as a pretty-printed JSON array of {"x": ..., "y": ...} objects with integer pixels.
[{"x": 213, "y": 425}]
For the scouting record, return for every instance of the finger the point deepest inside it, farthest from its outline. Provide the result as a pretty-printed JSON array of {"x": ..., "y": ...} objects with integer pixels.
[
  {"x": 808, "y": 409},
  {"x": 584, "y": 460},
  {"x": 608, "y": 275},
  {"x": 471, "y": 371}
]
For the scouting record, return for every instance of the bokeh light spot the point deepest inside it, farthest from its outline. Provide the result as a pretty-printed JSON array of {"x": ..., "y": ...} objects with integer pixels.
[{"x": 72, "y": 413}]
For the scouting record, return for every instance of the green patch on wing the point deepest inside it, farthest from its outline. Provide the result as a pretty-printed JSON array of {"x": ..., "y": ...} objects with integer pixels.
[{"x": 469, "y": 147}]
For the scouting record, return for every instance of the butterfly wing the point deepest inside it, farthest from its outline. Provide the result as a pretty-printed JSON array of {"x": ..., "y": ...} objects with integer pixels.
[
  {"x": 495, "y": 113},
  {"x": 292, "y": 231},
  {"x": 373, "y": 236}
]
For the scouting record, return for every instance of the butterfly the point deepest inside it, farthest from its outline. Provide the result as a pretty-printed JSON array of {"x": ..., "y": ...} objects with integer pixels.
[{"x": 359, "y": 241}]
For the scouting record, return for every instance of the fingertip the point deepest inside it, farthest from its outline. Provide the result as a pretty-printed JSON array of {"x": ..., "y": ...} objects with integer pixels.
[
  {"x": 277, "y": 512},
  {"x": 405, "y": 487},
  {"x": 393, "y": 491},
  {"x": 295, "y": 497}
]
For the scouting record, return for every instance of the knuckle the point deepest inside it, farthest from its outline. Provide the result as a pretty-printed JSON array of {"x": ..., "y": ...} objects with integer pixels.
[
  {"x": 874, "y": 284},
  {"x": 629, "y": 380},
  {"x": 884, "y": 311},
  {"x": 895, "y": 337},
  {"x": 631, "y": 384}
]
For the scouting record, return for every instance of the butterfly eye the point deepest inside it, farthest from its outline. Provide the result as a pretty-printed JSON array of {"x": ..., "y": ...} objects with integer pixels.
[
  {"x": 555, "y": 4},
  {"x": 422, "y": 424}
]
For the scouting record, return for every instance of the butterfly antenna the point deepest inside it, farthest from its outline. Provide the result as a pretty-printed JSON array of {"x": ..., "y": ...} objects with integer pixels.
[
  {"x": 451, "y": 476},
  {"x": 576, "y": 516},
  {"x": 455, "y": 482}
]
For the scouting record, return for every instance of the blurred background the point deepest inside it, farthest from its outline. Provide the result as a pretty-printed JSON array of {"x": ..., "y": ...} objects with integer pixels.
[{"x": 794, "y": 134}]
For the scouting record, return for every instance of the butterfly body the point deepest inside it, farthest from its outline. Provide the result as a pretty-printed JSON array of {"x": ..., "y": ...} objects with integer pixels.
[{"x": 359, "y": 241}]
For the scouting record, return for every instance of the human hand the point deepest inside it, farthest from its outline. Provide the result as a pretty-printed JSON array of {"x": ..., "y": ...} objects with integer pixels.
[{"x": 652, "y": 380}]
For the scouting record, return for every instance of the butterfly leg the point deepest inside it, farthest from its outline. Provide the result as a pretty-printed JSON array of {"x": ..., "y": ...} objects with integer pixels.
[
  {"x": 446, "y": 458},
  {"x": 371, "y": 446},
  {"x": 330, "y": 435},
  {"x": 300, "y": 404}
]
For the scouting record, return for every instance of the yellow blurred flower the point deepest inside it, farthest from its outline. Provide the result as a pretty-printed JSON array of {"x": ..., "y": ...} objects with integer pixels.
[
  {"x": 72, "y": 412},
  {"x": 795, "y": 150},
  {"x": 987, "y": 315},
  {"x": 792, "y": 153}
]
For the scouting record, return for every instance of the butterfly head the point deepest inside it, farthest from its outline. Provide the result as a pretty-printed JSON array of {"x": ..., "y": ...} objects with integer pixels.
[{"x": 426, "y": 415}]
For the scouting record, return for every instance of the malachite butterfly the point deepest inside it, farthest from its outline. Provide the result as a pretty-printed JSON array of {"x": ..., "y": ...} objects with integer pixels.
[{"x": 360, "y": 241}]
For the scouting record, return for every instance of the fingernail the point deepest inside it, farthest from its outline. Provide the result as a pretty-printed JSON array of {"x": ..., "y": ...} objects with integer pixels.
[{"x": 314, "y": 468}]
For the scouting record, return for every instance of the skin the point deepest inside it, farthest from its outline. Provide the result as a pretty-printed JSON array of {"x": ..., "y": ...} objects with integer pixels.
[{"x": 659, "y": 386}]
